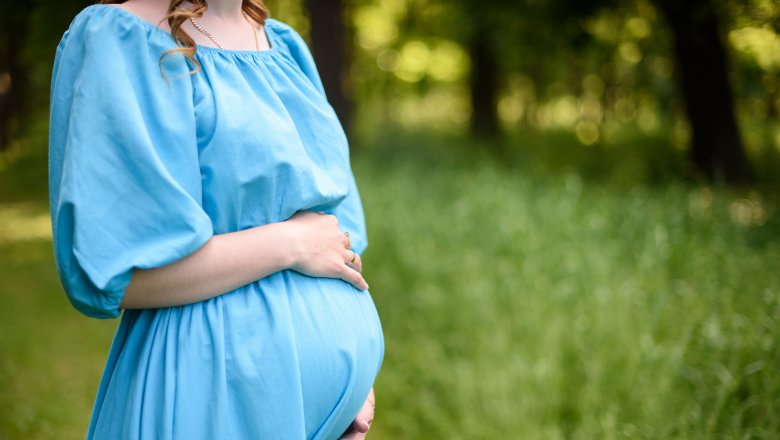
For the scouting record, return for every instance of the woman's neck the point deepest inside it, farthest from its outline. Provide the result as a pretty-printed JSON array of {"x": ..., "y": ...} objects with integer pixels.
[{"x": 225, "y": 9}]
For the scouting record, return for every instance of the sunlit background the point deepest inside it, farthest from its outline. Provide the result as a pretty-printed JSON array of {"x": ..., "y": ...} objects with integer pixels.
[{"x": 550, "y": 252}]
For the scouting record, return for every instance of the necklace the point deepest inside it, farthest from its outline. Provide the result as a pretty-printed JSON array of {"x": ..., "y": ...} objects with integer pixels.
[{"x": 219, "y": 45}]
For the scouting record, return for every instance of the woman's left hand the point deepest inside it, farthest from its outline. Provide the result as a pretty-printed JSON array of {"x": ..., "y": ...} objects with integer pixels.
[{"x": 362, "y": 423}]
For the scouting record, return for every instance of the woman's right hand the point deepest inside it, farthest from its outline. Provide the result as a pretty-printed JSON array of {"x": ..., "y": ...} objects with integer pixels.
[{"x": 320, "y": 249}]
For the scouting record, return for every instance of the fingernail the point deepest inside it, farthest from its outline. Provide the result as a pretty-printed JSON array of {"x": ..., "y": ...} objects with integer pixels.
[{"x": 366, "y": 425}]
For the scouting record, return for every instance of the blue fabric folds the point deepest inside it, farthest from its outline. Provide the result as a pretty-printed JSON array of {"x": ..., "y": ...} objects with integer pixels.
[
  {"x": 125, "y": 185},
  {"x": 147, "y": 162}
]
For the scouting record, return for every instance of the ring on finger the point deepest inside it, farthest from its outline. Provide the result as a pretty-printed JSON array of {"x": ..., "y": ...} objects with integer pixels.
[
  {"x": 349, "y": 241},
  {"x": 352, "y": 261}
]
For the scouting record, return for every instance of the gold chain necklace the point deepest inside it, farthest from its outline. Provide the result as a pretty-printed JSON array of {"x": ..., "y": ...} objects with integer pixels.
[{"x": 211, "y": 37}]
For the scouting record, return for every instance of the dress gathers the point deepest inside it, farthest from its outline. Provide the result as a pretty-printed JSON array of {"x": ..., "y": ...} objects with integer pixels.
[{"x": 146, "y": 163}]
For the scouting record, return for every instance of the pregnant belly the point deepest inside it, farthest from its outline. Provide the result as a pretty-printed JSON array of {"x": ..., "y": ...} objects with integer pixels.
[{"x": 322, "y": 332}]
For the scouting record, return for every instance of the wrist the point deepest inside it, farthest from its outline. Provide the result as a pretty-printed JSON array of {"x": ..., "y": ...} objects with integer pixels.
[{"x": 288, "y": 241}]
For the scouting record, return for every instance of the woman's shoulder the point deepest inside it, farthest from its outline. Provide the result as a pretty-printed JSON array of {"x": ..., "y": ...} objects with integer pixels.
[
  {"x": 104, "y": 41},
  {"x": 286, "y": 32},
  {"x": 106, "y": 22},
  {"x": 278, "y": 25}
]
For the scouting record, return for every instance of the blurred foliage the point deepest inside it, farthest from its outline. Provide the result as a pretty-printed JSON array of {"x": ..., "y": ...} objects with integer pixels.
[
  {"x": 540, "y": 305},
  {"x": 592, "y": 68}
]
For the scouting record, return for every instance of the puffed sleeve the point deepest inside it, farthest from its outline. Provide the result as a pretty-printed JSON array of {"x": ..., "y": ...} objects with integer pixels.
[
  {"x": 350, "y": 210},
  {"x": 124, "y": 178},
  {"x": 299, "y": 51}
]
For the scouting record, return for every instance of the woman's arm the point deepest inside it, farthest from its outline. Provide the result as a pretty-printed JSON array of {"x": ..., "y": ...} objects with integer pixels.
[{"x": 309, "y": 242}]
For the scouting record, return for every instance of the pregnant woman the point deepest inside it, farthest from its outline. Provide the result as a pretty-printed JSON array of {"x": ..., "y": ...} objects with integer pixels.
[{"x": 200, "y": 181}]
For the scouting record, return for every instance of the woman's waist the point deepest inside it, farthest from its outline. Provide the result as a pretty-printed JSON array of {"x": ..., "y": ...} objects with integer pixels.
[{"x": 284, "y": 311}]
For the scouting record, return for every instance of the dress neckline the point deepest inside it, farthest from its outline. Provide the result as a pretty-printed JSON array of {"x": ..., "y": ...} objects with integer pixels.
[{"x": 200, "y": 48}]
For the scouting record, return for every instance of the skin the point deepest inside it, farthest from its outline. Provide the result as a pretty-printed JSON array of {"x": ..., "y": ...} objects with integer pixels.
[
  {"x": 309, "y": 242},
  {"x": 363, "y": 421}
]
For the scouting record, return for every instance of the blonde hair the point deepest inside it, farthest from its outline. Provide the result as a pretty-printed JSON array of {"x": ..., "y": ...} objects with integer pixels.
[{"x": 176, "y": 15}]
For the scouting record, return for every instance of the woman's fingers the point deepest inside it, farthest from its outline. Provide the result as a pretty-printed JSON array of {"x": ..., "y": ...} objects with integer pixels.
[
  {"x": 353, "y": 277},
  {"x": 348, "y": 241},
  {"x": 353, "y": 269},
  {"x": 352, "y": 259},
  {"x": 363, "y": 420},
  {"x": 365, "y": 417},
  {"x": 358, "y": 265},
  {"x": 351, "y": 434}
]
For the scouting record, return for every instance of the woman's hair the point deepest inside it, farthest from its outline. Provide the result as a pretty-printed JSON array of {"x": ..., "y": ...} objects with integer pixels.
[{"x": 176, "y": 15}]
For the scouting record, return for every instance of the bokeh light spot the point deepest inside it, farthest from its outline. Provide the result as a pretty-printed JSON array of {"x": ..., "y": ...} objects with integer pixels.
[{"x": 587, "y": 132}]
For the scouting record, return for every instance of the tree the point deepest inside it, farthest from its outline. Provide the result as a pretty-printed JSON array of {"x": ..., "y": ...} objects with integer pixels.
[
  {"x": 329, "y": 49},
  {"x": 483, "y": 83},
  {"x": 29, "y": 32},
  {"x": 478, "y": 29},
  {"x": 703, "y": 78},
  {"x": 499, "y": 30},
  {"x": 14, "y": 23}
]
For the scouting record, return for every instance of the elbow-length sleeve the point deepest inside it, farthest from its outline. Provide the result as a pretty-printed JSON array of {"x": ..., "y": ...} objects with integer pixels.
[{"x": 124, "y": 177}]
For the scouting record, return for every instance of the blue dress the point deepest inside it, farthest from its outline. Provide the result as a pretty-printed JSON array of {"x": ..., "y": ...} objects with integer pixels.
[{"x": 147, "y": 162}]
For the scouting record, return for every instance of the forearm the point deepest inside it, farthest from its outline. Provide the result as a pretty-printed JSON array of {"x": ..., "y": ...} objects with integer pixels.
[{"x": 225, "y": 262}]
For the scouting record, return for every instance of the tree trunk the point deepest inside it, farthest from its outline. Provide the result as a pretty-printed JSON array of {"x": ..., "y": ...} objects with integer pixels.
[
  {"x": 483, "y": 85},
  {"x": 13, "y": 81},
  {"x": 702, "y": 74},
  {"x": 329, "y": 50}
]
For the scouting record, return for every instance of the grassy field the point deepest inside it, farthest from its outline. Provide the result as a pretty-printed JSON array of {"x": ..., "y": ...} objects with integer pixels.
[{"x": 516, "y": 303}]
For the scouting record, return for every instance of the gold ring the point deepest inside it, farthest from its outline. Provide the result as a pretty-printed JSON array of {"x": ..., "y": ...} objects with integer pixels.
[{"x": 353, "y": 257}]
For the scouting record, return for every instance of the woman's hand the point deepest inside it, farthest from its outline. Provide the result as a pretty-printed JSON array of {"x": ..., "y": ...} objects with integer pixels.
[
  {"x": 320, "y": 249},
  {"x": 359, "y": 428}
]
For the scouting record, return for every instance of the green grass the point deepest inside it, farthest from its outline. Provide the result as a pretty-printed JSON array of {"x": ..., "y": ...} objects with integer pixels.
[{"x": 517, "y": 302}]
